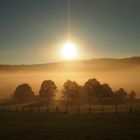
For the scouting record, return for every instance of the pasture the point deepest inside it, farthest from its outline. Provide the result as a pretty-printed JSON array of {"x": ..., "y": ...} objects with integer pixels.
[{"x": 35, "y": 125}]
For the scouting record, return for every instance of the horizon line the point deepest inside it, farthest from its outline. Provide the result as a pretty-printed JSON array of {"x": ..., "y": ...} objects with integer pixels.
[{"x": 53, "y": 62}]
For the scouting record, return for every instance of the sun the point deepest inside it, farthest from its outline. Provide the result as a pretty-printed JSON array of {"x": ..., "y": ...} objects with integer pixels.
[{"x": 69, "y": 51}]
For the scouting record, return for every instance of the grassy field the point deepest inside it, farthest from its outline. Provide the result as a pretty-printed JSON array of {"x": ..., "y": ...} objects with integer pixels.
[{"x": 43, "y": 126}]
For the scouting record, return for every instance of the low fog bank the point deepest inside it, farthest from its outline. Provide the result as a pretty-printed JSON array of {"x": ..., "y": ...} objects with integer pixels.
[{"x": 116, "y": 72}]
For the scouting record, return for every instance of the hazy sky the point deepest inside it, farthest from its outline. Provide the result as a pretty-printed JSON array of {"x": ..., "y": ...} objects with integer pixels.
[{"x": 32, "y": 31}]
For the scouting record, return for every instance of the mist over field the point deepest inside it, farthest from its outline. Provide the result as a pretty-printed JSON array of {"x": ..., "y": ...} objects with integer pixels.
[{"x": 116, "y": 72}]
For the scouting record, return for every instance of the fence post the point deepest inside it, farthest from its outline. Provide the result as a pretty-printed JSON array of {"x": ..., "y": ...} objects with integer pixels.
[
  {"x": 78, "y": 110},
  {"x": 19, "y": 108},
  {"x": 3, "y": 108},
  {"x": 31, "y": 109},
  {"x": 9, "y": 108},
  {"x": 130, "y": 109},
  {"x": 56, "y": 110},
  {"x": 90, "y": 111},
  {"x": 47, "y": 110},
  {"x": 116, "y": 108},
  {"x": 16, "y": 109},
  {"x": 67, "y": 110},
  {"x": 102, "y": 108},
  {"x": 39, "y": 109},
  {"x": 22, "y": 108}
]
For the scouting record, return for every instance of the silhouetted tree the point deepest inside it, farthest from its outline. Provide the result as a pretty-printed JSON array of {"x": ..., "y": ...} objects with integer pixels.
[
  {"x": 48, "y": 89},
  {"x": 82, "y": 96},
  {"x": 70, "y": 91},
  {"x": 105, "y": 92},
  {"x": 120, "y": 95},
  {"x": 92, "y": 88},
  {"x": 23, "y": 91},
  {"x": 132, "y": 95}
]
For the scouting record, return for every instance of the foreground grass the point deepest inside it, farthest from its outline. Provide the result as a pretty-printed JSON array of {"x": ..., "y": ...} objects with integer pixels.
[{"x": 43, "y": 126}]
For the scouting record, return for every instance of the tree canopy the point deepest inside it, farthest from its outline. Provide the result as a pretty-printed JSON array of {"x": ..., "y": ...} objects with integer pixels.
[
  {"x": 23, "y": 91},
  {"x": 70, "y": 90},
  {"x": 90, "y": 92},
  {"x": 132, "y": 95},
  {"x": 48, "y": 89}
]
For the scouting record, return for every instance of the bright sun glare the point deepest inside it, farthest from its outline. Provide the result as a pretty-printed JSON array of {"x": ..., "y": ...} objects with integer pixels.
[{"x": 69, "y": 51}]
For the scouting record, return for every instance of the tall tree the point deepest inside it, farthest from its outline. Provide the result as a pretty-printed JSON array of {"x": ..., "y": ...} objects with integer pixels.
[
  {"x": 23, "y": 91},
  {"x": 92, "y": 89},
  {"x": 120, "y": 95},
  {"x": 132, "y": 95},
  {"x": 105, "y": 93},
  {"x": 48, "y": 89},
  {"x": 70, "y": 91}
]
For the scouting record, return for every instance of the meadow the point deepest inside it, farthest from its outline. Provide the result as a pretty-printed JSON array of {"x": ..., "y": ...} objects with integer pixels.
[
  {"x": 35, "y": 122},
  {"x": 44, "y": 126}
]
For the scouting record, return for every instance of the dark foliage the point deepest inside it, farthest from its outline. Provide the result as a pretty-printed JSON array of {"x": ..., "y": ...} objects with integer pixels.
[
  {"x": 23, "y": 91},
  {"x": 132, "y": 96},
  {"x": 91, "y": 92},
  {"x": 48, "y": 89},
  {"x": 96, "y": 91},
  {"x": 70, "y": 91}
]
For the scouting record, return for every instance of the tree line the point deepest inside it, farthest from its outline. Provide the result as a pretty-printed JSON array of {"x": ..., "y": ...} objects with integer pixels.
[{"x": 73, "y": 93}]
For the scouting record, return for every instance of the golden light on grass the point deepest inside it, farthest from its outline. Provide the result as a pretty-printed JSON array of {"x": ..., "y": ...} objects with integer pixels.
[{"x": 69, "y": 51}]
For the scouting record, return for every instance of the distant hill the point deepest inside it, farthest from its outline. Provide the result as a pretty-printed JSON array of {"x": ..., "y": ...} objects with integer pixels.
[{"x": 99, "y": 63}]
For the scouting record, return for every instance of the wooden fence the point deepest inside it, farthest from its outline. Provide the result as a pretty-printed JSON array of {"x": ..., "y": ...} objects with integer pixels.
[{"x": 71, "y": 109}]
